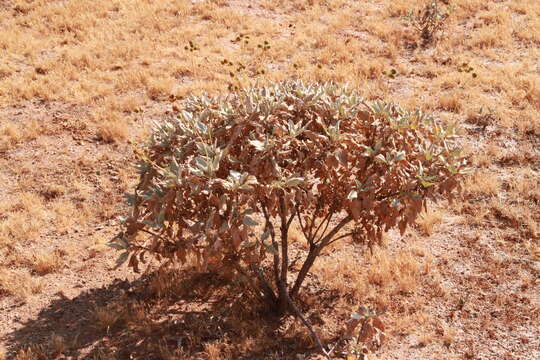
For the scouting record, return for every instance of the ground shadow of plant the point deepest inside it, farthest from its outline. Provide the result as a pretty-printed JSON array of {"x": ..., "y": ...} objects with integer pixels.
[{"x": 173, "y": 315}]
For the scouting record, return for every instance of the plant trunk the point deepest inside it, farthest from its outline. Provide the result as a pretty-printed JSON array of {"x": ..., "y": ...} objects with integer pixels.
[
  {"x": 283, "y": 307},
  {"x": 310, "y": 260},
  {"x": 287, "y": 306}
]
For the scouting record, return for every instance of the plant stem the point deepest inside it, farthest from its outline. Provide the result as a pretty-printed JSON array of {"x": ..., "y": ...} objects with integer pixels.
[
  {"x": 296, "y": 312},
  {"x": 310, "y": 259},
  {"x": 284, "y": 251},
  {"x": 314, "y": 251}
]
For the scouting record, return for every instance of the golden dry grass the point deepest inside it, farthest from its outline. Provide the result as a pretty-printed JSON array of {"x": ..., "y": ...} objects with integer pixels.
[
  {"x": 19, "y": 283},
  {"x": 46, "y": 262},
  {"x": 80, "y": 80},
  {"x": 429, "y": 220}
]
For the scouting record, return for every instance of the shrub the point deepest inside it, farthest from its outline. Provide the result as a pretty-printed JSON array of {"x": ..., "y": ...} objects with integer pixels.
[
  {"x": 224, "y": 181},
  {"x": 428, "y": 21}
]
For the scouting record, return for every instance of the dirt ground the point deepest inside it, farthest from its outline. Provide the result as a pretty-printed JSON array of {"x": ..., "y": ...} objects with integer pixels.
[{"x": 81, "y": 82}]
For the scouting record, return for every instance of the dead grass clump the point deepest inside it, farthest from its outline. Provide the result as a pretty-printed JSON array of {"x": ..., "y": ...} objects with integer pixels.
[
  {"x": 45, "y": 262},
  {"x": 490, "y": 37},
  {"x": 57, "y": 344},
  {"x": 425, "y": 339},
  {"x": 525, "y": 184},
  {"x": 52, "y": 191},
  {"x": 394, "y": 272},
  {"x": 214, "y": 350},
  {"x": 9, "y": 136},
  {"x": 163, "y": 284},
  {"x": 66, "y": 214},
  {"x": 515, "y": 216},
  {"x": 341, "y": 274},
  {"x": 482, "y": 117},
  {"x": 483, "y": 183},
  {"x": 19, "y": 227},
  {"x": 429, "y": 220},
  {"x": 33, "y": 352},
  {"x": 448, "y": 335},
  {"x": 159, "y": 89},
  {"x": 451, "y": 102},
  {"x": 112, "y": 128},
  {"x": 108, "y": 316},
  {"x": 533, "y": 248},
  {"x": 408, "y": 323},
  {"x": 19, "y": 283},
  {"x": 12, "y": 134}
]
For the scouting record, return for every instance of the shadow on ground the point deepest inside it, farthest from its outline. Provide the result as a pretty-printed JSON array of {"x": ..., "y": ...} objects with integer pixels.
[{"x": 178, "y": 315}]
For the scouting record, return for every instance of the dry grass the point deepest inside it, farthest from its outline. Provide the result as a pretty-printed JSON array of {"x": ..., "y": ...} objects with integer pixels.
[
  {"x": 429, "y": 220},
  {"x": 112, "y": 127},
  {"x": 400, "y": 272},
  {"x": 46, "y": 262},
  {"x": 106, "y": 317},
  {"x": 19, "y": 283},
  {"x": 81, "y": 78},
  {"x": 58, "y": 344},
  {"x": 12, "y": 134}
]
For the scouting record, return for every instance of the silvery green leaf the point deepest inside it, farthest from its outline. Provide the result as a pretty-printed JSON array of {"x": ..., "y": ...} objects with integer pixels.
[
  {"x": 265, "y": 235},
  {"x": 235, "y": 174},
  {"x": 160, "y": 218},
  {"x": 131, "y": 199},
  {"x": 224, "y": 227},
  {"x": 204, "y": 116},
  {"x": 415, "y": 196},
  {"x": 251, "y": 180},
  {"x": 294, "y": 181},
  {"x": 247, "y": 243},
  {"x": 352, "y": 195},
  {"x": 249, "y": 221},
  {"x": 201, "y": 163},
  {"x": 149, "y": 223},
  {"x": 174, "y": 166},
  {"x": 400, "y": 156},
  {"x": 270, "y": 248},
  {"x": 426, "y": 183},
  {"x": 228, "y": 185},
  {"x": 196, "y": 172},
  {"x": 369, "y": 150},
  {"x": 201, "y": 127},
  {"x": 452, "y": 169},
  {"x": 381, "y": 158},
  {"x": 259, "y": 145},
  {"x": 121, "y": 259},
  {"x": 116, "y": 245}
]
